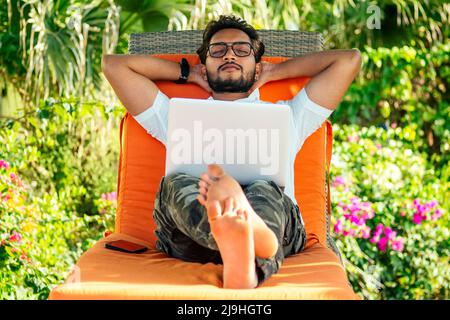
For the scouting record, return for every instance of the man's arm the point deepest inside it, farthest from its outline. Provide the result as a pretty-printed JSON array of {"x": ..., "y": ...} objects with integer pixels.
[
  {"x": 331, "y": 74},
  {"x": 132, "y": 76}
]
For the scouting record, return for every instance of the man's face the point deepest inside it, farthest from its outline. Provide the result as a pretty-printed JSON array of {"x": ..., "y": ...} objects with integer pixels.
[{"x": 231, "y": 73}]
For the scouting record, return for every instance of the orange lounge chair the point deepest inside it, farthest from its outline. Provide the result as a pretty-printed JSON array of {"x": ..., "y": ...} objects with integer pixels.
[{"x": 315, "y": 273}]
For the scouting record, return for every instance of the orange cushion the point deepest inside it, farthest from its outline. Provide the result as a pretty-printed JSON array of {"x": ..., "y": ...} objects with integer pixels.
[
  {"x": 142, "y": 163},
  {"x": 316, "y": 273}
]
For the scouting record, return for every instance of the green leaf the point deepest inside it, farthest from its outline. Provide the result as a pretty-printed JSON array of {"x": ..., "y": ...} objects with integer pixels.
[{"x": 155, "y": 21}]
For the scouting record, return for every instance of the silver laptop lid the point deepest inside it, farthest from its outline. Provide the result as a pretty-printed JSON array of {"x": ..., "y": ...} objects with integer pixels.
[{"x": 250, "y": 140}]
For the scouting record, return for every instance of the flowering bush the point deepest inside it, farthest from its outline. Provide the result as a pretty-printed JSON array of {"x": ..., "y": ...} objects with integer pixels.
[
  {"x": 68, "y": 149},
  {"x": 53, "y": 168},
  {"x": 389, "y": 215},
  {"x": 39, "y": 242}
]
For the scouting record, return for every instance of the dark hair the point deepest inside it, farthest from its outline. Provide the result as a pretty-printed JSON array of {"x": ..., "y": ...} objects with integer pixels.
[{"x": 230, "y": 22}]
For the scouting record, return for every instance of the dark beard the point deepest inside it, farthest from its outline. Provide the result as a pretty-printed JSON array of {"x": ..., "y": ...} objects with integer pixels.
[{"x": 231, "y": 85}]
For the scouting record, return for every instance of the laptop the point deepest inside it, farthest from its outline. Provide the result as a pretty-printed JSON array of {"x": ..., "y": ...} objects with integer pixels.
[{"x": 249, "y": 140}]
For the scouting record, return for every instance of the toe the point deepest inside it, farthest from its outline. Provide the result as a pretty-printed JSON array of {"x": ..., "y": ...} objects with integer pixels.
[
  {"x": 203, "y": 191},
  {"x": 215, "y": 170},
  {"x": 229, "y": 205},
  {"x": 205, "y": 177},
  {"x": 203, "y": 184},
  {"x": 202, "y": 199},
  {"x": 241, "y": 214},
  {"x": 214, "y": 210},
  {"x": 245, "y": 214}
]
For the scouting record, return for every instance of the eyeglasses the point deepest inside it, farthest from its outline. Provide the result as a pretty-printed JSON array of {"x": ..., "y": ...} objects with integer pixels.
[{"x": 220, "y": 49}]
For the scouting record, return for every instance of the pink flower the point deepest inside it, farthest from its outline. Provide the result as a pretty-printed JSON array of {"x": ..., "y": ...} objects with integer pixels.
[
  {"x": 15, "y": 179},
  {"x": 354, "y": 218},
  {"x": 437, "y": 214},
  {"x": 354, "y": 200},
  {"x": 378, "y": 146},
  {"x": 382, "y": 244},
  {"x": 431, "y": 204},
  {"x": 379, "y": 230},
  {"x": 422, "y": 209},
  {"x": 350, "y": 233},
  {"x": 353, "y": 138},
  {"x": 354, "y": 208},
  {"x": 389, "y": 233},
  {"x": 339, "y": 181},
  {"x": 365, "y": 232},
  {"x": 417, "y": 218},
  {"x": 394, "y": 125},
  {"x": 111, "y": 196},
  {"x": 368, "y": 214},
  {"x": 15, "y": 237},
  {"x": 338, "y": 227},
  {"x": 359, "y": 222},
  {"x": 397, "y": 244},
  {"x": 375, "y": 239},
  {"x": 4, "y": 164},
  {"x": 366, "y": 205}
]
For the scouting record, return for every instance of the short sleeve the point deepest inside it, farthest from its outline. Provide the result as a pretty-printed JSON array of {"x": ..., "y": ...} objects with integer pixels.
[
  {"x": 308, "y": 116},
  {"x": 155, "y": 119}
]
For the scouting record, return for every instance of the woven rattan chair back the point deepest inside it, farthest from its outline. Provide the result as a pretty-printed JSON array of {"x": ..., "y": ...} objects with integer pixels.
[{"x": 278, "y": 43}]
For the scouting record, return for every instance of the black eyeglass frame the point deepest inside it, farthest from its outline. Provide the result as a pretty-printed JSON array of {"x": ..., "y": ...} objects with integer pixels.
[{"x": 230, "y": 44}]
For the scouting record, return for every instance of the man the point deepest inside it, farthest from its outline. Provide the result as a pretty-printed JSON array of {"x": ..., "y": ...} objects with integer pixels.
[{"x": 211, "y": 218}]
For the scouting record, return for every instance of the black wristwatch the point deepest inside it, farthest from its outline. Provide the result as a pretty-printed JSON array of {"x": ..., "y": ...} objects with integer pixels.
[{"x": 184, "y": 66}]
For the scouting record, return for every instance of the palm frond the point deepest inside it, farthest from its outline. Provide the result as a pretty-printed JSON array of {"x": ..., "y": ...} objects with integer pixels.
[{"x": 54, "y": 37}]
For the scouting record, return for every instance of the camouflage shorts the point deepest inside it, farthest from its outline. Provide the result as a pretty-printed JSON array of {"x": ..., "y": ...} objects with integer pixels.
[{"x": 183, "y": 229}]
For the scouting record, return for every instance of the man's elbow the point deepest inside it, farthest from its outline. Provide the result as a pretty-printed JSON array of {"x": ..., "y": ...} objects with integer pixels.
[
  {"x": 109, "y": 62},
  {"x": 355, "y": 60}
]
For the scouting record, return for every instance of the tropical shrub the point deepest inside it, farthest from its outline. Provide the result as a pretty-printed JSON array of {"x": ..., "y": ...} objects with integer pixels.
[
  {"x": 66, "y": 148},
  {"x": 54, "y": 48},
  {"x": 390, "y": 215},
  {"x": 404, "y": 87},
  {"x": 56, "y": 170},
  {"x": 40, "y": 242}
]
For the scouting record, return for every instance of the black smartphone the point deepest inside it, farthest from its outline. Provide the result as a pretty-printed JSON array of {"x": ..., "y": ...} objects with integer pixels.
[{"x": 125, "y": 246}]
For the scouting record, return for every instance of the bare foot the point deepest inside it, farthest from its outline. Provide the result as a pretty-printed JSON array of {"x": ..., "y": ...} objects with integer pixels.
[
  {"x": 233, "y": 235},
  {"x": 216, "y": 185}
]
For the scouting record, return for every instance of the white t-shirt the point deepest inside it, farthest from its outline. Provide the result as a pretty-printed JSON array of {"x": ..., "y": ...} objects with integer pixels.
[{"x": 307, "y": 117}]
